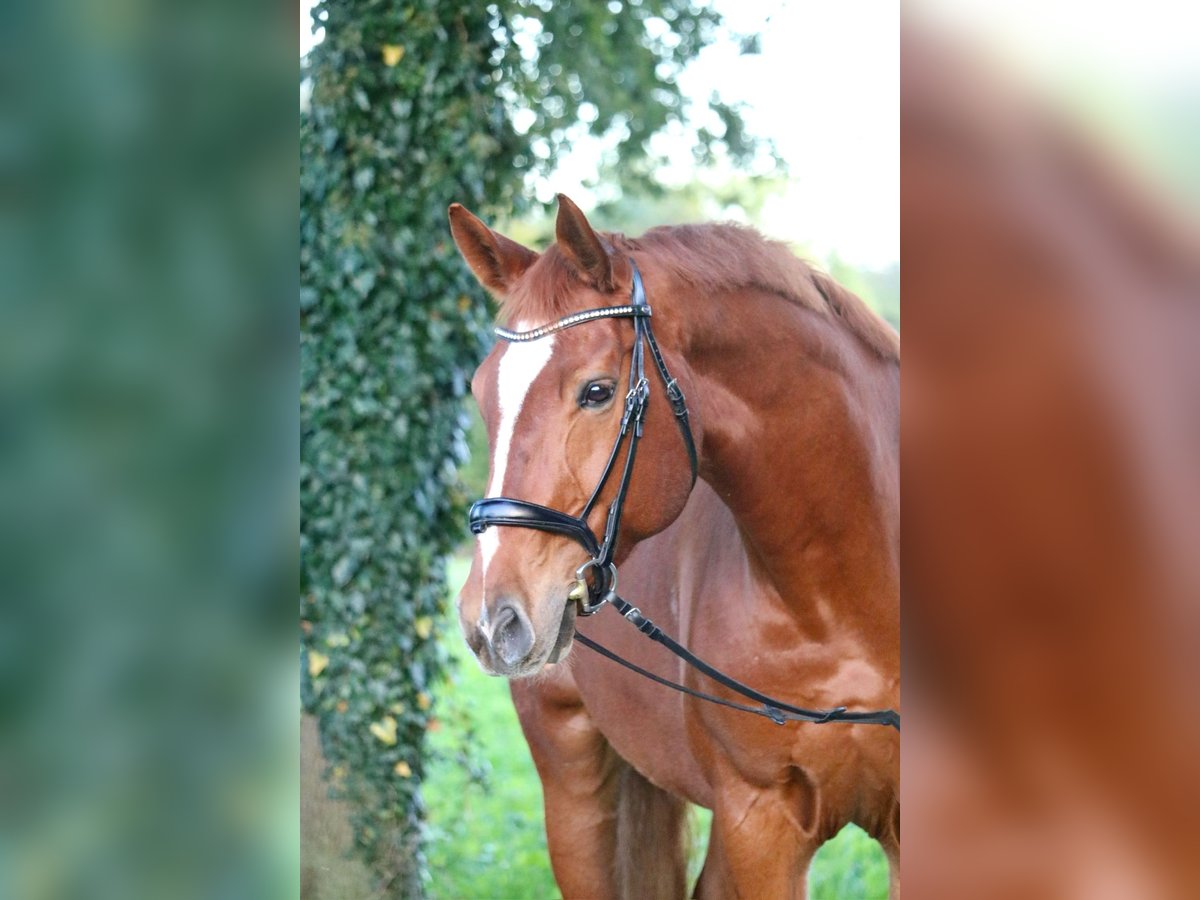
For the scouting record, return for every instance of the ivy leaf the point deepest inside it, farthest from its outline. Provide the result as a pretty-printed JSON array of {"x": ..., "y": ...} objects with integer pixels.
[
  {"x": 392, "y": 54},
  {"x": 385, "y": 730},
  {"x": 343, "y": 570},
  {"x": 317, "y": 662}
]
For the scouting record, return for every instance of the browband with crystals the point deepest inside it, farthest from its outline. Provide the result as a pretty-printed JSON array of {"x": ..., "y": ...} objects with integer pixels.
[{"x": 605, "y": 312}]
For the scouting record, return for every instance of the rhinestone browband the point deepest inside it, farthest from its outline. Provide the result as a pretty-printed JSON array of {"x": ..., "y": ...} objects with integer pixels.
[{"x": 605, "y": 312}]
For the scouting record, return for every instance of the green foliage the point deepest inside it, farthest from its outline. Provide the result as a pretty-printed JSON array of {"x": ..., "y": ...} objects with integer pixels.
[
  {"x": 880, "y": 288},
  {"x": 390, "y": 324},
  {"x": 413, "y": 105},
  {"x": 635, "y": 211},
  {"x": 486, "y": 831},
  {"x": 852, "y": 865},
  {"x": 474, "y": 472}
]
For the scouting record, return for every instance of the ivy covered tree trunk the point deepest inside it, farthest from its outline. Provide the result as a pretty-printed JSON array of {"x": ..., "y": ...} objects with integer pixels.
[
  {"x": 410, "y": 109},
  {"x": 400, "y": 123}
]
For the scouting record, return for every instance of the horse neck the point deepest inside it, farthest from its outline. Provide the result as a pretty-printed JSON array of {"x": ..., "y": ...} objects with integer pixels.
[{"x": 800, "y": 438}]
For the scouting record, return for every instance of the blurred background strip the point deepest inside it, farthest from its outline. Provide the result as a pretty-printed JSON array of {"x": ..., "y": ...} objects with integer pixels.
[
  {"x": 148, "y": 513},
  {"x": 1051, "y": 450}
]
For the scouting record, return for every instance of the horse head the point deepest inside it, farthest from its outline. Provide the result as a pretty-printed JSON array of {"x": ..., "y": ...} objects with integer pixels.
[{"x": 554, "y": 404}]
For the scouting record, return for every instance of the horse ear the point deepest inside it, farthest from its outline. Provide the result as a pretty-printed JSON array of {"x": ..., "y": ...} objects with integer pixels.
[
  {"x": 496, "y": 261},
  {"x": 580, "y": 245}
]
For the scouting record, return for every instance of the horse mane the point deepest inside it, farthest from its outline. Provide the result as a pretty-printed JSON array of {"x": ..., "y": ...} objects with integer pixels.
[{"x": 711, "y": 259}]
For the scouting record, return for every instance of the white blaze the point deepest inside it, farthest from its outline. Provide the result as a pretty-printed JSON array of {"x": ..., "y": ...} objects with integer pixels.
[{"x": 520, "y": 366}]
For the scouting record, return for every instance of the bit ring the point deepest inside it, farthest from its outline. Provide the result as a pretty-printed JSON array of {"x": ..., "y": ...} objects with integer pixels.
[{"x": 608, "y": 580}]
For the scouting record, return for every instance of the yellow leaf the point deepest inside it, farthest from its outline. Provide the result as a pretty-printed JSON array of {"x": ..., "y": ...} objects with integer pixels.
[
  {"x": 423, "y": 700},
  {"x": 392, "y": 54},
  {"x": 402, "y": 769},
  {"x": 316, "y": 663},
  {"x": 424, "y": 627},
  {"x": 385, "y": 730}
]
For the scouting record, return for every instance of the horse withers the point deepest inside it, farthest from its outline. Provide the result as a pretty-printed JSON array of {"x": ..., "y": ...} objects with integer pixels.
[{"x": 778, "y": 564}]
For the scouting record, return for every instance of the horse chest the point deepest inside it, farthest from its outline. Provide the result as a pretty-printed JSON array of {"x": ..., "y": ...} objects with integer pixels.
[{"x": 771, "y": 651}]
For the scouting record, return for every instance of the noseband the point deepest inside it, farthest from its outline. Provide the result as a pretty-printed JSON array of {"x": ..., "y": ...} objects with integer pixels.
[
  {"x": 592, "y": 594},
  {"x": 522, "y": 513}
]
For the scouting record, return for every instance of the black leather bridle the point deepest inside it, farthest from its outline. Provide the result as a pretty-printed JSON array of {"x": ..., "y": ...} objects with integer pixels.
[
  {"x": 591, "y": 594},
  {"x": 507, "y": 511}
]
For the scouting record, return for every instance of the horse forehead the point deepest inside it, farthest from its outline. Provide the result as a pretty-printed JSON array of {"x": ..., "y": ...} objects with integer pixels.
[
  {"x": 506, "y": 379},
  {"x": 503, "y": 379},
  {"x": 519, "y": 367}
]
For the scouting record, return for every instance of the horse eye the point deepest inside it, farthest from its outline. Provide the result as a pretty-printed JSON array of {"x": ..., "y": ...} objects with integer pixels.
[{"x": 597, "y": 393}]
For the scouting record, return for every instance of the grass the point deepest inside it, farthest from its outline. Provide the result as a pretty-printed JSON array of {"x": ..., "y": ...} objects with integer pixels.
[
  {"x": 487, "y": 841},
  {"x": 852, "y": 865}
]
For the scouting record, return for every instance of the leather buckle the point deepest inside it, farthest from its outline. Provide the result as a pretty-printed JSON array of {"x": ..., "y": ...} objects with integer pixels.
[
  {"x": 675, "y": 395},
  {"x": 638, "y": 394}
]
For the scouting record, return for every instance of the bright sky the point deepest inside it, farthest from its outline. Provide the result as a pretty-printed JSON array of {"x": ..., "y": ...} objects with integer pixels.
[
  {"x": 825, "y": 89},
  {"x": 1129, "y": 72},
  {"x": 1151, "y": 42}
]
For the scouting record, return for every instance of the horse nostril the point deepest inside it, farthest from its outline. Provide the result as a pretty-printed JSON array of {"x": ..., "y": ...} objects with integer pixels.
[
  {"x": 475, "y": 639},
  {"x": 512, "y": 636}
]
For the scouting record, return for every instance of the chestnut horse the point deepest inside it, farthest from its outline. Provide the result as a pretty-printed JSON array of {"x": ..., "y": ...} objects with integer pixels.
[{"x": 780, "y": 565}]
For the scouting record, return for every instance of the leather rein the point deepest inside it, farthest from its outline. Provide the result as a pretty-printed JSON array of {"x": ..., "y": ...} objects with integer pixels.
[{"x": 600, "y": 589}]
